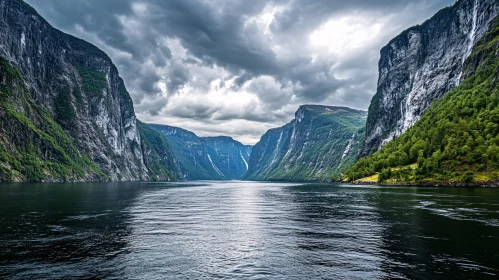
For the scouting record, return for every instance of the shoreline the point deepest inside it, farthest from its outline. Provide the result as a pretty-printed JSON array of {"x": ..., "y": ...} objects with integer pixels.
[{"x": 430, "y": 184}]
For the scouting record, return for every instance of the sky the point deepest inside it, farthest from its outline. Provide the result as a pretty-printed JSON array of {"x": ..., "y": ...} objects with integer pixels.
[{"x": 240, "y": 67}]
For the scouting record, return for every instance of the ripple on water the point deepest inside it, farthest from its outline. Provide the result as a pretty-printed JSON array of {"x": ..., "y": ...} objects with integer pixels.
[{"x": 243, "y": 230}]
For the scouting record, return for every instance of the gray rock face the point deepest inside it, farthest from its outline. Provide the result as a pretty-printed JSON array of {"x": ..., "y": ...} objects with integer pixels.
[
  {"x": 319, "y": 144},
  {"x": 99, "y": 115},
  {"x": 206, "y": 158},
  {"x": 420, "y": 65}
]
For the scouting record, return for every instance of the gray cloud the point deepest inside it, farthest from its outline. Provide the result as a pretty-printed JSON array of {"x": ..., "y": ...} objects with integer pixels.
[{"x": 215, "y": 65}]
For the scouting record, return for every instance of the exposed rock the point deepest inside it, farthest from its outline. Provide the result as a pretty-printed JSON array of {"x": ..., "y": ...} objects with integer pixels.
[
  {"x": 206, "y": 158},
  {"x": 80, "y": 88},
  {"x": 317, "y": 145},
  {"x": 420, "y": 65}
]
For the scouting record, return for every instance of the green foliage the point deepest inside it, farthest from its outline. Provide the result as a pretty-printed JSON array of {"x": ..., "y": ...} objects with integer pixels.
[
  {"x": 191, "y": 154},
  {"x": 311, "y": 147},
  {"x": 78, "y": 96},
  {"x": 92, "y": 80},
  {"x": 160, "y": 160},
  {"x": 33, "y": 146},
  {"x": 10, "y": 71},
  {"x": 63, "y": 107},
  {"x": 468, "y": 177},
  {"x": 457, "y": 137}
]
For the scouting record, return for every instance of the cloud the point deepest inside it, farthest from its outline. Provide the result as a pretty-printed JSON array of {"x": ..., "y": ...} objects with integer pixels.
[{"x": 240, "y": 67}]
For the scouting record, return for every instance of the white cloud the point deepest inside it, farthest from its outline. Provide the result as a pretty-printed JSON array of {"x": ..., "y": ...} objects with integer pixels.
[
  {"x": 346, "y": 34},
  {"x": 238, "y": 68}
]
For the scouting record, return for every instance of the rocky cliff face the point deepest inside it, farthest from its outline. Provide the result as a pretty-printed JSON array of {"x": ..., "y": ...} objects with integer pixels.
[
  {"x": 317, "y": 145},
  {"x": 420, "y": 65},
  {"x": 456, "y": 141},
  {"x": 206, "y": 158},
  {"x": 78, "y": 86}
]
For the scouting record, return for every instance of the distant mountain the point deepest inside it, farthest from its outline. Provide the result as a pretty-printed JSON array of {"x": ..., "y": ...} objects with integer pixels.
[
  {"x": 457, "y": 138},
  {"x": 65, "y": 114},
  {"x": 317, "y": 145},
  {"x": 206, "y": 158},
  {"x": 422, "y": 64}
]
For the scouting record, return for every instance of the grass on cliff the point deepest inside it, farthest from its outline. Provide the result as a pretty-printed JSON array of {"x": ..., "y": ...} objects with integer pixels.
[
  {"x": 93, "y": 81},
  {"x": 161, "y": 161},
  {"x": 33, "y": 146},
  {"x": 457, "y": 139}
]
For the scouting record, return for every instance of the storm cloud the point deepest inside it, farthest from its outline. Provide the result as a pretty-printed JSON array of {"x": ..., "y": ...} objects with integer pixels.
[{"x": 238, "y": 67}]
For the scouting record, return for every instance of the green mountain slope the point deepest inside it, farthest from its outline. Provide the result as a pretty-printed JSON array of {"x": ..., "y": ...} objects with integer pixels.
[
  {"x": 457, "y": 138},
  {"x": 317, "y": 145},
  {"x": 158, "y": 156},
  {"x": 206, "y": 158},
  {"x": 66, "y": 113},
  {"x": 33, "y": 147},
  {"x": 229, "y": 156}
]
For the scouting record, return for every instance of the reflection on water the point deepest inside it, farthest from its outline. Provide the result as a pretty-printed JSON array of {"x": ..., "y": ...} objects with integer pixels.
[{"x": 247, "y": 230}]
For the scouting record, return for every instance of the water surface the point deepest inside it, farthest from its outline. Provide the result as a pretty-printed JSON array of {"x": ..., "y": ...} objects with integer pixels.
[{"x": 247, "y": 230}]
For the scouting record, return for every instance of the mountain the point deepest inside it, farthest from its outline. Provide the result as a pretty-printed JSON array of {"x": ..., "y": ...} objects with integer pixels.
[
  {"x": 420, "y": 65},
  {"x": 457, "y": 139},
  {"x": 206, "y": 158},
  {"x": 65, "y": 112},
  {"x": 158, "y": 155},
  {"x": 317, "y": 145}
]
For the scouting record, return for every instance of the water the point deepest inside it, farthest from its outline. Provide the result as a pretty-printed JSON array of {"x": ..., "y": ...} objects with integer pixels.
[{"x": 246, "y": 230}]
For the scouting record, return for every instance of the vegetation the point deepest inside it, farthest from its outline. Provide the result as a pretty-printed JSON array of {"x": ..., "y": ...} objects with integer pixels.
[
  {"x": 205, "y": 158},
  {"x": 64, "y": 108},
  {"x": 311, "y": 147},
  {"x": 159, "y": 159},
  {"x": 93, "y": 81},
  {"x": 457, "y": 139},
  {"x": 33, "y": 146}
]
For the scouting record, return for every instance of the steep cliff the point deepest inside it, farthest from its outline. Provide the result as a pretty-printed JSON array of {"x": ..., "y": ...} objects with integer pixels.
[
  {"x": 158, "y": 155},
  {"x": 206, "y": 158},
  {"x": 76, "y": 86},
  {"x": 420, "y": 65},
  {"x": 317, "y": 145},
  {"x": 33, "y": 147},
  {"x": 457, "y": 138}
]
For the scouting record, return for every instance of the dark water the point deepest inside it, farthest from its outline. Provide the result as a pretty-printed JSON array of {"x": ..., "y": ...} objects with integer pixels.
[{"x": 241, "y": 230}]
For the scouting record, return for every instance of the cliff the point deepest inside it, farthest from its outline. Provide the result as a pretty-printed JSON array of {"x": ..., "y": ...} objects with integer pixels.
[
  {"x": 206, "y": 158},
  {"x": 317, "y": 145},
  {"x": 78, "y": 90},
  {"x": 456, "y": 141},
  {"x": 422, "y": 64}
]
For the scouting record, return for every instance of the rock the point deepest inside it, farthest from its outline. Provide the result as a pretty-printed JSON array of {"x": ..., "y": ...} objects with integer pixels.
[
  {"x": 206, "y": 158},
  {"x": 420, "y": 65},
  {"x": 80, "y": 88},
  {"x": 317, "y": 145}
]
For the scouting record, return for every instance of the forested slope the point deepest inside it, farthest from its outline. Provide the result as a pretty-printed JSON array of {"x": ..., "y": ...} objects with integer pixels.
[{"x": 457, "y": 139}]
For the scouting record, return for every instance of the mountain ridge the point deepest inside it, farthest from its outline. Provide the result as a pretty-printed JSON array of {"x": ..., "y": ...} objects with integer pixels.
[
  {"x": 456, "y": 141},
  {"x": 317, "y": 145},
  {"x": 79, "y": 88},
  {"x": 206, "y": 158},
  {"x": 420, "y": 65}
]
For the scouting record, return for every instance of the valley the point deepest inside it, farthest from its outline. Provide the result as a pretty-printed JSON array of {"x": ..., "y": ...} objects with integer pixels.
[{"x": 67, "y": 115}]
